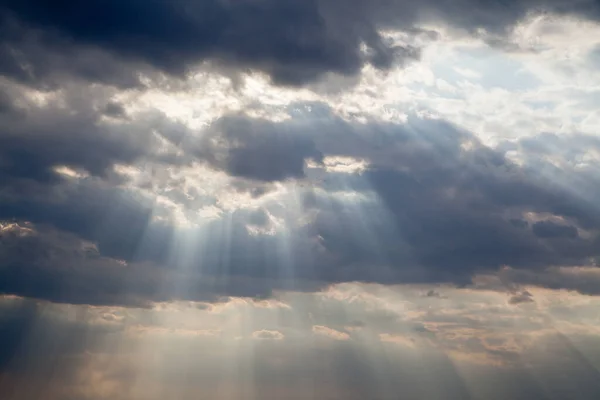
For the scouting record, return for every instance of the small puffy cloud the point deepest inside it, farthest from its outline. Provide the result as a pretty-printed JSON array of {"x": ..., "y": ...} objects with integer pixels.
[
  {"x": 397, "y": 339},
  {"x": 521, "y": 297},
  {"x": 329, "y": 332},
  {"x": 268, "y": 335},
  {"x": 435, "y": 294}
]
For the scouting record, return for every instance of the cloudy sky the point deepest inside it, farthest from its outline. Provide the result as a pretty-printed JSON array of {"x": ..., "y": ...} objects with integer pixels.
[{"x": 299, "y": 199}]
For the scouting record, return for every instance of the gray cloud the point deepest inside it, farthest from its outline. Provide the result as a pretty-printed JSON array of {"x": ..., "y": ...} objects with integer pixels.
[
  {"x": 581, "y": 279},
  {"x": 255, "y": 149},
  {"x": 46, "y": 264},
  {"x": 292, "y": 41},
  {"x": 521, "y": 297},
  {"x": 549, "y": 229},
  {"x": 431, "y": 210},
  {"x": 69, "y": 131},
  {"x": 295, "y": 42}
]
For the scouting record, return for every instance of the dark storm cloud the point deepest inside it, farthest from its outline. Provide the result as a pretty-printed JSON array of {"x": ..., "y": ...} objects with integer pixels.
[
  {"x": 114, "y": 218},
  {"x": 435, "y": 210},
  {"x": 255, "y": 149},
  {"x": 584, "y": 280},
  {"x": 450, "y": 210},
  {"x": 46, "y": 264},
  {"x": 68, "y": 130},
  {"x": 294, "y": 41},
  {"x": 44, "y": 59},
  {"x": 71, "y": 131},
  {"x": 549, "y": 229},
  {"x": 58, "y": 267}
]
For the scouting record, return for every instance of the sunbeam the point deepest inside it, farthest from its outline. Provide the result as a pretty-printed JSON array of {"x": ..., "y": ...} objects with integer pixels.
[{"x": 267, "y": 199}]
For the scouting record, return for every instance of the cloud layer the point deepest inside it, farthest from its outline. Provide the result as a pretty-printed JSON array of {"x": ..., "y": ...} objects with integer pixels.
[
  {"x": 268, "y": 199},
  {"x": 431, "y": 203},
  {"x": 293, "y": 41},
  {"x": 350, "y": 341}
]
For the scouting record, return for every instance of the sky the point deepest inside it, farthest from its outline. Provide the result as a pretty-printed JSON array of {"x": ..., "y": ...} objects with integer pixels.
[{"x": 299, "y": 199}]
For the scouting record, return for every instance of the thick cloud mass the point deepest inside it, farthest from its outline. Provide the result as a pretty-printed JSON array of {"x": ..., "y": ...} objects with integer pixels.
[
  {"x": 309, "y": 200},
  {"x": 294, "y": 41},
  {"x": 428, "y": 209},
  {"x": 256, "y": 150}
]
